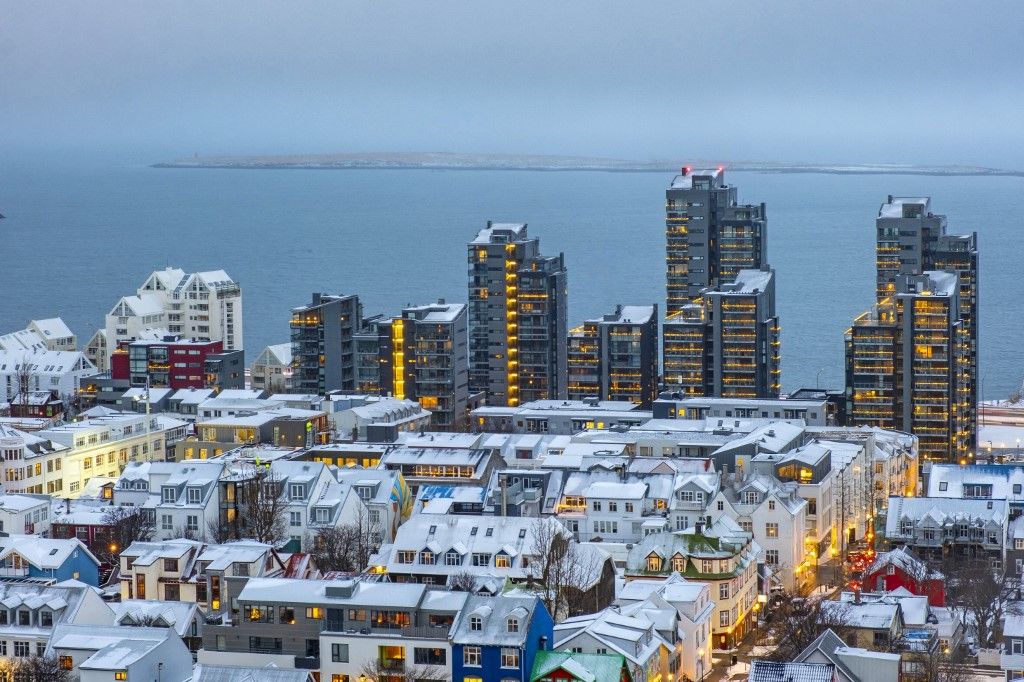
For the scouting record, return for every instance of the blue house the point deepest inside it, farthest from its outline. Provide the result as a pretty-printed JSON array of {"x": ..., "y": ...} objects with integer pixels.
[
  {"x": 496, "y": 638},
  {"x": 30, "y": 556}
]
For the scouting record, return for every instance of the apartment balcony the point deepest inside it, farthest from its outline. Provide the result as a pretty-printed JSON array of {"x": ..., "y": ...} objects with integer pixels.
[
  {"x": 13, "y": 572},
  {"x": 413, "y": 631}
]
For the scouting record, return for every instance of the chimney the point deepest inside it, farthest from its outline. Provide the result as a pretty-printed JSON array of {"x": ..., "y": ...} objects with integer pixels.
[
  {"x": 856, "y": 596},
  {"x": 67, "y": 504}
]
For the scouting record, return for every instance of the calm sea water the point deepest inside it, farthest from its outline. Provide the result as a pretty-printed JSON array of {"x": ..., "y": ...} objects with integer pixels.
[{"x": 79, "y": 235}]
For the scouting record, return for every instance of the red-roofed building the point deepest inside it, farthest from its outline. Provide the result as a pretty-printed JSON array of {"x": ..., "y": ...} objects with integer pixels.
[{"x": 900, "y": 568}]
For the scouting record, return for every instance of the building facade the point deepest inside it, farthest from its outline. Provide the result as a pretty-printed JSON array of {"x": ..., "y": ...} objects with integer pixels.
[
  {"x": 727, "y": 344},
  {"x": 517, "y": 317},
  {"x": 905, "y": 365},
  {"x": 323, "y": 344},
  {"x": 615, "y": 357},
  {"x": 422, "y": 355},
  {"x": 710, "y": 237}
]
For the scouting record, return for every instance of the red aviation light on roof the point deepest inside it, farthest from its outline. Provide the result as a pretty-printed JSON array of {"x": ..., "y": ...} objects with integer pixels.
[
  {"x": 721, "y": 168},
  {"x": 686, "y": 169}
]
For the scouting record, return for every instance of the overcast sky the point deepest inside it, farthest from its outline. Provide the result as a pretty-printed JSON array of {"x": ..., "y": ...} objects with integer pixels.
[{"x": 925, "y": 82}]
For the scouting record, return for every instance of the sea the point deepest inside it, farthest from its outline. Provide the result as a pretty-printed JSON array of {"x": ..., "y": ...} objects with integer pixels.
[{"x": 79, "y": 234}]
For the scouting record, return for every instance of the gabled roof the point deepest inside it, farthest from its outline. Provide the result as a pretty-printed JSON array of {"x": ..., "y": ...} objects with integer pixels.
[
  {"x": 149, "y": 612},
  {"x": 582, "y": 667},
  {"x": 775, "y": 671},
  {"x": 494, "y": 613},
  {"x": 826, "y": 644},
  {"x": 43, "y": 553}
]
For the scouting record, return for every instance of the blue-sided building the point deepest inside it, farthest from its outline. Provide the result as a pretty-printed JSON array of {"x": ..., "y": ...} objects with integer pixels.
[
  {"x": 30, "y": 556},
  {"x": 496, "y": 638}
]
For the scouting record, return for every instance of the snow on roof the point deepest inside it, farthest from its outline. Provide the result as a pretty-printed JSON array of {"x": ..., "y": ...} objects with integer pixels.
[
  {"x": 113, "y": 647},
  {"x": 486, "y": 235},
  {"x": 175, "y": 614},
  {"x": 940, "y": 511},
  {"x": 867, "y": 615},
  {"x": 685, "y": 179},
  {"x": 583, "y": 667},
  {"x": 777, "y": 671},
  {"x": 893, "y": 208},
  {"x": 47, "y": 362},
  {"x": 192, "y": 396},
  {"x": 290, "y": 590},
  {"x": 43, "y": 553},
  {"x": 220, "y": 557},
  {"x": 204, "y": 672},
  {"x": 147, "y": 553},
  {"x": 904, "y": 559},
  {"x": 52, "y": 328},
  {"x": 15, "y": 502},
  {"x": 494, "y": 612},
  {"x": 276, "y": 354},
  {"x": 631, "y": 636}
]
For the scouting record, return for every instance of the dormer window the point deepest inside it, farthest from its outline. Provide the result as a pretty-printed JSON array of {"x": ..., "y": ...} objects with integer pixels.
[
  {"x": 169, "y": 494},
  {"x": 452, "y": 558},
  {"x": 476, "y": 623},
  {"x": 512, "y": 625},
  {"x": 323, "y": 514},
  {"x": 195, "y": 495},
  {"x": 46, "y": 618},
  {"x": 364, "y": 492},
  {"x": 489, "y": 532}
]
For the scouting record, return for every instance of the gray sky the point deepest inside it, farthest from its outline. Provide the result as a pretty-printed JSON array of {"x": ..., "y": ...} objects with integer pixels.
[{"x": 865, "y": 81}]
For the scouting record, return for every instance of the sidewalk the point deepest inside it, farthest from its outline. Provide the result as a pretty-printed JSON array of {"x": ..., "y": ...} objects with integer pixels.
[{"x": 722, "y": 669}]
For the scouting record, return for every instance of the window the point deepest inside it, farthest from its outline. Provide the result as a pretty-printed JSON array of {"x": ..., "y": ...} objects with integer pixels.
[
  {"x": 721, "y": 505},
  {"x": 481, "y": 559},
  {"x": 1018, "y": 543},
  {"x": 166, "y": 522},
  {"x": 314, "y": 612},
  {"x": 771, "y": 557},
  {"x": 405, "y": 556},
  {"x": 294, "y": 519},
  {"x": 943, "y": 486},
  {"x": 723, "y": 619},
  {"x": 512, "y": 625},
  {"x": 509, "y": 657},
  {"x": 613, "y": 506},
  {"x": 170, "y": 565},
  {"x": 191, "y": 522},
  {"x": 452, "y": 558},
  {"x": 429, "y": 656},
  {"x": 471, "y": 656},
  {"x": 195, "y": 495},
  {"x": 771, "y": 530},
  {"x": 46, "y": 618},
  {"x": 771, "y": 505},
  {"x": 21, "y": 649},
  {"x": 172, "y": 592},
  {"x": 1016, "y": 488},
  {"x": 24, "y": 617},
  {"x": 339, "y": 677},
  {"x": 121, "y": 675},
  {"x": 596, "y": 505},
  {"x": 723, "y": 590},
  {"x": 1018, "y": 646},
  {"x": 296, "y": 491},
  {"x": 427, "y": 557},
  {"x": 169, "y": 495},
  {"x": 629, "y": 507},
  {"x": 339, "y": 653},
  {"x": 66, "y": 663},
  {"x": 476, "y": 623}
]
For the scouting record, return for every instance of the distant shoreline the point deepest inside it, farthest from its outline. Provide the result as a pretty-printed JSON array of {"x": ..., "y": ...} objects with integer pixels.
[{"x": 509, "y": 162}]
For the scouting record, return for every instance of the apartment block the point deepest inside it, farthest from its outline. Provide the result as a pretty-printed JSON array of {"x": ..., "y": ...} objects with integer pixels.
[
  {"x": 421, "y": 355},
  {"x": 912, "y": 240},
  {"x": 323, "y": 344},
  {"x": 728, "y": 344},
  {"x": 615, "y": 356},
  {"x": 906, "y": 365},
  {"x": 710, "y": 236},
  {"x": 205, "y": 306},
  {"x": 517, "y": 317}
]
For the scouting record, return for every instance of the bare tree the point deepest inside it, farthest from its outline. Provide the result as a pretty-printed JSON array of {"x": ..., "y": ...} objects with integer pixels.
[
  {"x": 39, "y": 669},
  {"x": 463, "y": 581},
  {"x": 262, "y": 506},
  {"x": 560, "y": 572},
  {"x": 796, "y": 622},
  {"x": 217, "y": 532},
  {"x": 125, "y": 526},
  {"x": 400, "y": 670},
  {"x": 347, "y": 547},
  {"x": 983, "y": 594}
]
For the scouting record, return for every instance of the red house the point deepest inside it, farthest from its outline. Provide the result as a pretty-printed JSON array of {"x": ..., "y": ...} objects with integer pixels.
[
  {"x": 170, "y": 362},
  {"x": 566, "y": 666},
  {"x": 900, "y": 568}
]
